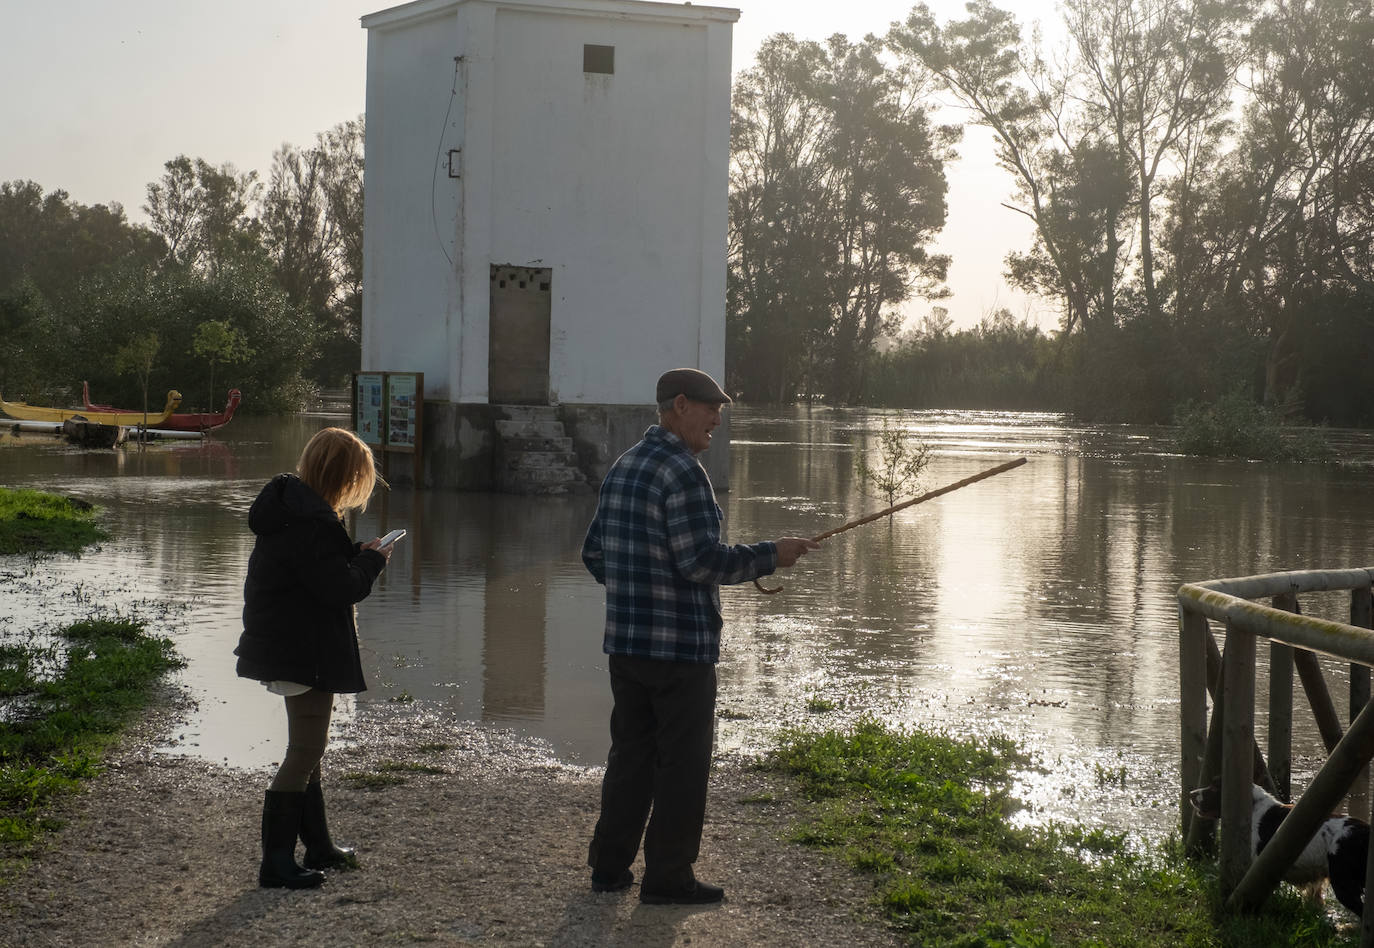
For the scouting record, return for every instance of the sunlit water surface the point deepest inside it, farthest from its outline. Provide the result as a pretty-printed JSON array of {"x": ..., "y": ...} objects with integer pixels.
[{"x": 1038, "y": 603}]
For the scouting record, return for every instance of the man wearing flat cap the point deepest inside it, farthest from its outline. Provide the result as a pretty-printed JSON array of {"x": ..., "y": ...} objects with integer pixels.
[{"x": 655, "y": 545}]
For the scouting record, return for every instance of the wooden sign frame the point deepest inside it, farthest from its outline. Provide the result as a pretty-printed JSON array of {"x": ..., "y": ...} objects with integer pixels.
[{"x": 388, "y": 414}]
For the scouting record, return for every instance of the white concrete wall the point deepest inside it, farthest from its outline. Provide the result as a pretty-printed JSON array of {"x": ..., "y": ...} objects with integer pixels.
[
  {"x": 618, "y": 183},
  {"x": 410, "y": 207}
]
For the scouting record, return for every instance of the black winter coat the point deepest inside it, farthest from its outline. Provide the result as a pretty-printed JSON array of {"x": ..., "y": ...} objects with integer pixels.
[{"x": 304, "y": 576}]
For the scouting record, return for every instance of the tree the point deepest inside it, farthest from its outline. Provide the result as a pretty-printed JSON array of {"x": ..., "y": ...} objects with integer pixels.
[
  {"x": 837, "y": 187},
  {"x": 136, "y": 358},
  {"x": 900, "y": 462},
  {"x": 52, "y": 241},
  {"x": 217, "y": 341},
  {"x": 779, "y": 235},
  {"x": 343, "y": 189},
  {"x": 1156, "y": 75},
  {"x": 1308, "y": 166},
  {"x": 203, "y": 213},
  {"x": 888, "y": 170},
  {"x": 296, "y": 229},
  {"x": 173, "y": 303},
  {"x": 23, "y": 314},
  {"x": 312, "y": 228},
  {"x": 1043, "y": 142}
]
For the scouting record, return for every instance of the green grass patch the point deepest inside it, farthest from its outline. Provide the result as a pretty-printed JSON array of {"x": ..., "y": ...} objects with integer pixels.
[
  {"x": 35, "y": 522},
  {"x": 391, "y": 773},
  {"x": 758, "y": 798},
  {"x": 374, "y": 781},
  {"x": 928, "y": 818},
  {"x": 60, "y": 707}
]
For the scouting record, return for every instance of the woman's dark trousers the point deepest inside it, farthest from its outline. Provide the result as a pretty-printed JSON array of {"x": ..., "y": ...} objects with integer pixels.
[
  {"x": 662, "y": 728},
  {"x": 307, "y": 725}
]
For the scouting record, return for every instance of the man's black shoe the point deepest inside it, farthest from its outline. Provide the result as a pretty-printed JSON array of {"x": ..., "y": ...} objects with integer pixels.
[
  {"x": 698, "y": 893},
  {"x": 608, "y": 883}
]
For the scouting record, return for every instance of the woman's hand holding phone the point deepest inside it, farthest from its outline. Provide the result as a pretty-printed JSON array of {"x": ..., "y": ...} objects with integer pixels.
[{"x": 385, "y": 544}]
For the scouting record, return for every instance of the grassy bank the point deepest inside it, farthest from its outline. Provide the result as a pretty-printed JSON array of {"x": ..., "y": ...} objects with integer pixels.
[
  {"x": 62, "y": 704},
  {"x": 928, "y": 818},
  {"x": 34, "y": 522},
  {"x": 63, "y": 697}
]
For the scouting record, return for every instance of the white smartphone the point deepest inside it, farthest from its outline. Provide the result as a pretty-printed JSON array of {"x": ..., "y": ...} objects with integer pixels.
[{"x": 392, "y": 537}]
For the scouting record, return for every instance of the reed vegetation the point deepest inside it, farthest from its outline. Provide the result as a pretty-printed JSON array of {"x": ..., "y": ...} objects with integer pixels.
[{"x": 930, "y": 819}]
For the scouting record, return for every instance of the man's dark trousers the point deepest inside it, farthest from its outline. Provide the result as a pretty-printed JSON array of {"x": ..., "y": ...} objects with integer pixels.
[{"x": 662, "y": 728}]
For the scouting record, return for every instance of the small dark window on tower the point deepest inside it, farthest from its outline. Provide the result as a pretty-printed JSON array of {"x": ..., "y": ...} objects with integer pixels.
[{"x": 598, "y": 59}]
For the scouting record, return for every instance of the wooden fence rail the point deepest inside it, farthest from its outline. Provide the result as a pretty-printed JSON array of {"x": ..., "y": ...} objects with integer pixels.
[{"x": 1228, "y": 748}]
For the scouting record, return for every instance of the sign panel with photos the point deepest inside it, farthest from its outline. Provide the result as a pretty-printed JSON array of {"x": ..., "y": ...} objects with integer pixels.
[
  {"x": 368, "y": 406},
  {"x": 402, "y": 411},
  {"x": 388, "y": 410}
]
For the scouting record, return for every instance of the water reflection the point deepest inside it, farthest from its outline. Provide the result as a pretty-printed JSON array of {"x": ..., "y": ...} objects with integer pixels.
[{"x": 1038, "y": 602}]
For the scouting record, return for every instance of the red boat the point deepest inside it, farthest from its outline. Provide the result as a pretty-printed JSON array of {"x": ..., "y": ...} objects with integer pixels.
[{"x": 177, "y": 421}]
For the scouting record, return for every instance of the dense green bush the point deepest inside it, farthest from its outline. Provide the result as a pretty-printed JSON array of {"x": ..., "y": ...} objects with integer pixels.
[
  {"x": 108, "y": 311},
  {"x": 1235, "y": 426}
]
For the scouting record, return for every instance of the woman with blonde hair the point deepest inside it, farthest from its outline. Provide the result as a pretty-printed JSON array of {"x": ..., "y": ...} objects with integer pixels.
[{"x": 300, "y": 636}]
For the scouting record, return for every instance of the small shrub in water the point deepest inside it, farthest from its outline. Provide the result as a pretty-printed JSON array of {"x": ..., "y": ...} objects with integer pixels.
[
  {"x": 1235, "y": 426},
  {"x": 900, "y": 462}
]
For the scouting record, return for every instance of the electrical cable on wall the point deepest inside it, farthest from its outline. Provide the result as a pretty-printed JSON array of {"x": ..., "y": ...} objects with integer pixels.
[{"x": 439, "y": 150}]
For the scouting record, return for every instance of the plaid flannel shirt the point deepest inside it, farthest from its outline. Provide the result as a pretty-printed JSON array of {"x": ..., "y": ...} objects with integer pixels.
[{"x": 655, "y": 545}]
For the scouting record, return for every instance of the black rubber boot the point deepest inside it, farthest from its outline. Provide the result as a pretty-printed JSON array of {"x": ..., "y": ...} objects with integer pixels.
[
  {"x": 320, "y": 851},
  {"x": 281, "y": 819}
]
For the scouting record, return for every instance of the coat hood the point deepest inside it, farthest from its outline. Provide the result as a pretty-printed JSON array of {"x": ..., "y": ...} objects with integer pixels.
[{"x": 285, "y": 500}]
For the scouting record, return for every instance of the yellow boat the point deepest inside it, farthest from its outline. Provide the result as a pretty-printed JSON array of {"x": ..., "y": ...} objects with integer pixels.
[{"x": 26, "y": 412}]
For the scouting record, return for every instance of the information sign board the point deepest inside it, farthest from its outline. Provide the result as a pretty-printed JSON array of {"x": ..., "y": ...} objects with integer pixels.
[
  {"x": 388, "y": 413},
  {"x": 368, "y": 406}
]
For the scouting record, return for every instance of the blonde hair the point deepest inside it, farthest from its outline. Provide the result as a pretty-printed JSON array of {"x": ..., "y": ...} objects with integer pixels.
[{"x": 338, "y": 465}]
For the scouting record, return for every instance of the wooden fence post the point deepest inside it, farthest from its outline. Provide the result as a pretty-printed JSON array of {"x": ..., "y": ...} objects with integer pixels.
[
  {"x": 1367, "y": 919},
  {"x": 1261, "y": 775},
  {"x": 1299, "y": 826},
  {"x": 1319, "y": 697},
  {"x": 1193, "y": 633},
  {"x": 1362, "y": 615},
  {"x": 1359, "y": 675},
  {"x": 1237, "y": 755},
  {"x": 1281, "y": 709},
  {"x": 1281, "y": 719}
]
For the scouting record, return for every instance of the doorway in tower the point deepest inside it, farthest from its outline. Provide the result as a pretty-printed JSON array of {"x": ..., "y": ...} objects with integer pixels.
[{"x": 518, "y": 361}]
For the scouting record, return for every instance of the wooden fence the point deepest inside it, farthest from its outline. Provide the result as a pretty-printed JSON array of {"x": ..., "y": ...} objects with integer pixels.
[{"x": 1228, "y": 748}]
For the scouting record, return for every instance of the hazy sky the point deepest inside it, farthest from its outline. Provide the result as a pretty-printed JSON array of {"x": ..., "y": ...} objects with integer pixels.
[{"x": 99, "y": 95}]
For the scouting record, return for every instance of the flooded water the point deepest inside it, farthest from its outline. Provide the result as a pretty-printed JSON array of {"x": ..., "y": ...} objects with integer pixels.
[{"x": 1038, "y": 603}]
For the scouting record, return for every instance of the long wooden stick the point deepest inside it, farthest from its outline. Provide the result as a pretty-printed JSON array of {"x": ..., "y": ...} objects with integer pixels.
[{"x": 919, "y": 499}]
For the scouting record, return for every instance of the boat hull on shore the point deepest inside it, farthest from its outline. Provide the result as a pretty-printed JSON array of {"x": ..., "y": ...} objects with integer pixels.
[
  {"x": 130, "y": 433},
  {"x": 21, "y": 411},
  {"x": 177, "y": 421}
]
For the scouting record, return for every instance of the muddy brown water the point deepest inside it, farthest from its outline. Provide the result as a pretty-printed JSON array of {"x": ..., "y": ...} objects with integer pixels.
[{"x": 1038, "y": 603}]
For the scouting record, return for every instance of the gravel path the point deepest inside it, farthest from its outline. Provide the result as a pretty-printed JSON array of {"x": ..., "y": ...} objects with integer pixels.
[{"x": 163, "y": 850}]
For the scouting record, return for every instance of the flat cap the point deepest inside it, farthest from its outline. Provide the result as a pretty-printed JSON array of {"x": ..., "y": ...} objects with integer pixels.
[{"x": 694, "y": 383}]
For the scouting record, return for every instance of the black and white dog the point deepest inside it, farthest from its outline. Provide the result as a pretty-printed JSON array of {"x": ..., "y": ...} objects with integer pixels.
[{"x": 1337, "y": 852}]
